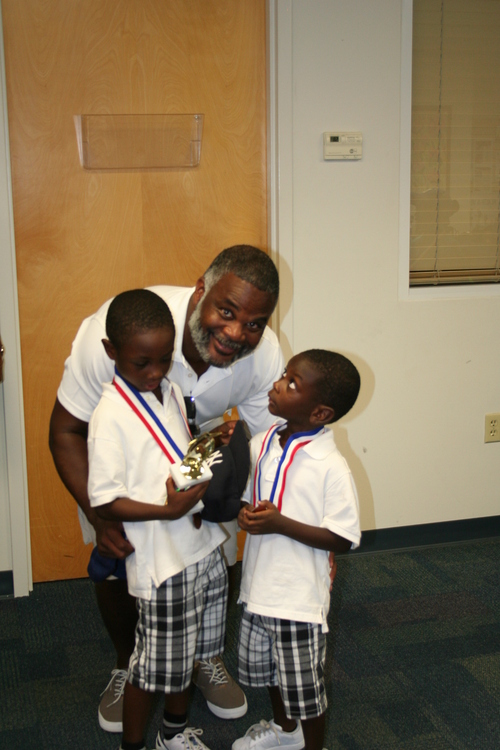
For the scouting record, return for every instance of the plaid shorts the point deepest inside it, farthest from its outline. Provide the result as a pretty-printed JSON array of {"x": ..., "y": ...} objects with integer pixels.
[
  {"x": 288, "y": 654},
  {"x": 184, "y": 621}
]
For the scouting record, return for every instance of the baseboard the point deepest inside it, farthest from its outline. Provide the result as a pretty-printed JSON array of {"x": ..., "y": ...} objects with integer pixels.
[
  {"x": 6, "y": 583},
  {"x": 427, "y": 534},
  {"x": 385, "y": 540}
]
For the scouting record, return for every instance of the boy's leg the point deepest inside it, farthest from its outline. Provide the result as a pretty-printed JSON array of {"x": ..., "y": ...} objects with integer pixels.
[
  {"x": 174, "y": 717},
  {"x": 314, "y": 732},
  {"x": 298, "y": 654},
  {"x": 136, "y": 709},
  {"x": 175, "y": 734},
  {"x": 313, "y": 729},
  {"x": 279, "y": 713},
  {"x": 197, "y": 596},
  {"x": 257, "y": 668},
  {"x": 301, "y": 653}
]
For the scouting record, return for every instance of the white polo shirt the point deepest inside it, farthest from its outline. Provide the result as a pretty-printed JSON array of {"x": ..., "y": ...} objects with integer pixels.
[
  {"x": 284, "y": 578},
  {"x": 245, "y": 384},
  {"x": 125, "y": 461}
]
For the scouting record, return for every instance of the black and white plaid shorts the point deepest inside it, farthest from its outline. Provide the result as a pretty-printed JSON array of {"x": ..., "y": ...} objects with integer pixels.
[
  {"x": 185, "y": 621},
  {"x": 288, "y": 654}
]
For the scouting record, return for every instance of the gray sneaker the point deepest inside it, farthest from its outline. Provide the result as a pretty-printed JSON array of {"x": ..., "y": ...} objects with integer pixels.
[
  {"x": 111, "y": 706},
  {"x": 223, "y": 695}
]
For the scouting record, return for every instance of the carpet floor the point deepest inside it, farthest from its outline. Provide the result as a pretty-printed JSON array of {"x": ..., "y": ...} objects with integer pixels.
[{"x": 413, "y": 659}]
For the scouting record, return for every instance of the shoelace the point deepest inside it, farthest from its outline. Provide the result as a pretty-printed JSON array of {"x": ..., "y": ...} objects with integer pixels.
[
  {"x": 190, "y": 737},
  {"x": 119, "y": 678},
  {"x": 263, "y": 727},
  {"x": 215, "y": 670}
]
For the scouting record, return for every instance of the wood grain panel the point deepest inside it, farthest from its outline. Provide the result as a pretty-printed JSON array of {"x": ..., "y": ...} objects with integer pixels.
[{"x": 81, "y": 237}]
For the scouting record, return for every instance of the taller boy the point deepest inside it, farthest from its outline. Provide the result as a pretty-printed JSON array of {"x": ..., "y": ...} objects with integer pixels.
[{"x": 224, "y": 356}]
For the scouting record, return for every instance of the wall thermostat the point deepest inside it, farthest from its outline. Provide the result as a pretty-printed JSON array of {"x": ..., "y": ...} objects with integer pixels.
[{"x": 342, "y": 145}]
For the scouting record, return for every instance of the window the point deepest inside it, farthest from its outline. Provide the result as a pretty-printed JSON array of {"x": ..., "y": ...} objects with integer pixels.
[{"x": 455, "y": 151}]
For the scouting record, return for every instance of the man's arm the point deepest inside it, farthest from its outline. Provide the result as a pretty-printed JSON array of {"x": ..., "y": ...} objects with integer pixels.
[{"x": 68, "y": 445}]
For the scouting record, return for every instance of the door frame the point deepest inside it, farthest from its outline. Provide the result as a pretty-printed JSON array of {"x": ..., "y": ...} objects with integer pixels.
[
  {"x": 17, "y": 481},
  {"x": 279, "y": 18}
]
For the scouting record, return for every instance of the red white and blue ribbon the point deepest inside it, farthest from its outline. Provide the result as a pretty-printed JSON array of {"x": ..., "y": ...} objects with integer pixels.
[
  {"x": 150, "y": 420},
  {"x": 294, "y": 443}
]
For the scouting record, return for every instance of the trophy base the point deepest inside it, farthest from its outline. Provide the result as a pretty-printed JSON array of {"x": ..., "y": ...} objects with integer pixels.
[{"x": 184, "y": 481}]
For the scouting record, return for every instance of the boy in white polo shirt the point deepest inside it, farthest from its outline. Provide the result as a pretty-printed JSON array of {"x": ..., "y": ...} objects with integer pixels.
[
  {"x": 301, "y": 504},
  {"x": 177, "y": 572}
]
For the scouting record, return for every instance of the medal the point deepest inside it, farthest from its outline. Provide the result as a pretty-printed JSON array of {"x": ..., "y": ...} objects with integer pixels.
[{"x": 294, "y": 443}]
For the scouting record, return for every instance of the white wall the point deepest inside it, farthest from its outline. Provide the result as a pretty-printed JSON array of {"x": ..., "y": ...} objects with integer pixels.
[{"x": 430, "y": 366}]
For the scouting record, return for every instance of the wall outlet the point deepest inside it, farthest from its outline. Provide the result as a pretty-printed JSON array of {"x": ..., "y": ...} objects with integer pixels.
[{"x": 492, "y": 428}]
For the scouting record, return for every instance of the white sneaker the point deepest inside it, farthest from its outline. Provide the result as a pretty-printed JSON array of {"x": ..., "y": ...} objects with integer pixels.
[
  {"x": 187, "y": 740},
  {"x": 268, "y": 736}
]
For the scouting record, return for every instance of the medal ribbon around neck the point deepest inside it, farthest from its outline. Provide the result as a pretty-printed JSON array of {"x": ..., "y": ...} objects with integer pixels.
[
  {"x": 293, "y": 444},
  {"x": 141, "y": 408}
]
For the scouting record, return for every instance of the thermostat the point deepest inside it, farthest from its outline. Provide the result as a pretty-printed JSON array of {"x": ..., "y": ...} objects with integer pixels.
[{"x": 341, "y": 145}]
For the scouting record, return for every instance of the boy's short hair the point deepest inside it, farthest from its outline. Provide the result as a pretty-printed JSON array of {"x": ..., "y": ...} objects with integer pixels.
[
  {"x": 136, "y": 310},
  {"x": 339, "y": 383},
  {"x": 248, "y": 263}
]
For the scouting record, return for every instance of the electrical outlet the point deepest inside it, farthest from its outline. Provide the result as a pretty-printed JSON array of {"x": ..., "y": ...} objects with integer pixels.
[{"x": 492, "y": 428}]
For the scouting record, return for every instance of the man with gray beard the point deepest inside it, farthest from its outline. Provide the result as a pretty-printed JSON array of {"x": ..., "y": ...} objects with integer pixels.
[{"x": 225, "y": 356}]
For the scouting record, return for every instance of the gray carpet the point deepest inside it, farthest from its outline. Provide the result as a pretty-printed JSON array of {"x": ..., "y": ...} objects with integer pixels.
[{"x": 413, "y": 660}]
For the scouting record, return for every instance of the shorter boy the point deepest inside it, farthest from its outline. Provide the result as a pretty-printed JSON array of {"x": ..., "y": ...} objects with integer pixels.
[
  {"x": 177, "y": 571},
  {"x": 302, "y": 504}
]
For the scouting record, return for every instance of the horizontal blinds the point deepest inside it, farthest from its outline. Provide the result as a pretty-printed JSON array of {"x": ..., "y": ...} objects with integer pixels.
[{"x": 455, "y": 171}]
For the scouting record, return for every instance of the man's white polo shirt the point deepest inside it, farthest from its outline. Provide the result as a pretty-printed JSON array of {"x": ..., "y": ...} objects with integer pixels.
[{"x": 245, "y": 384}]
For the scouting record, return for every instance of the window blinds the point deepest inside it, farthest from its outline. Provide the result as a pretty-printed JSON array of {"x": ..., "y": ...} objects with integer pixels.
[{"x": 455, "y": 180}]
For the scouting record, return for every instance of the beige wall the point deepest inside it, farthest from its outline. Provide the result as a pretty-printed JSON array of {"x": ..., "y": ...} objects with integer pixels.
[{"x": 430, "y": 365}]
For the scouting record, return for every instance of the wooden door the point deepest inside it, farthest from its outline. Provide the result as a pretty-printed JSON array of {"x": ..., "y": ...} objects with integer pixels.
[{"x": 82, "y": 236}]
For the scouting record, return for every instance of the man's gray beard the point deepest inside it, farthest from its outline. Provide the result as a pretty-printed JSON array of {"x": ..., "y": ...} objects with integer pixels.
[{"x": 201, "y": 340}]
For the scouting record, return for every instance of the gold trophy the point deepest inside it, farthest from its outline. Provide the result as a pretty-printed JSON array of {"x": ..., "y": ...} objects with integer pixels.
[{"x": 193, "y": 468}]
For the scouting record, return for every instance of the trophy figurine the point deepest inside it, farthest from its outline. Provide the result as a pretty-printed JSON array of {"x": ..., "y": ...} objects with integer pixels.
[{"x": 193, "y": 468}]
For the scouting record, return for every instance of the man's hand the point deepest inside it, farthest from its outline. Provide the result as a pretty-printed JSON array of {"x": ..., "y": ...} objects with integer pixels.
[
  {"x": 110, "y": 539},
  {"x": 227, "y": 429}
]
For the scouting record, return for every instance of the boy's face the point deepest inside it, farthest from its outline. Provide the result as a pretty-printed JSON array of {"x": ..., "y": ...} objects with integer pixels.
[
  {"x": 294, "y": 397},
  {"x": 145, "y": 358}
]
